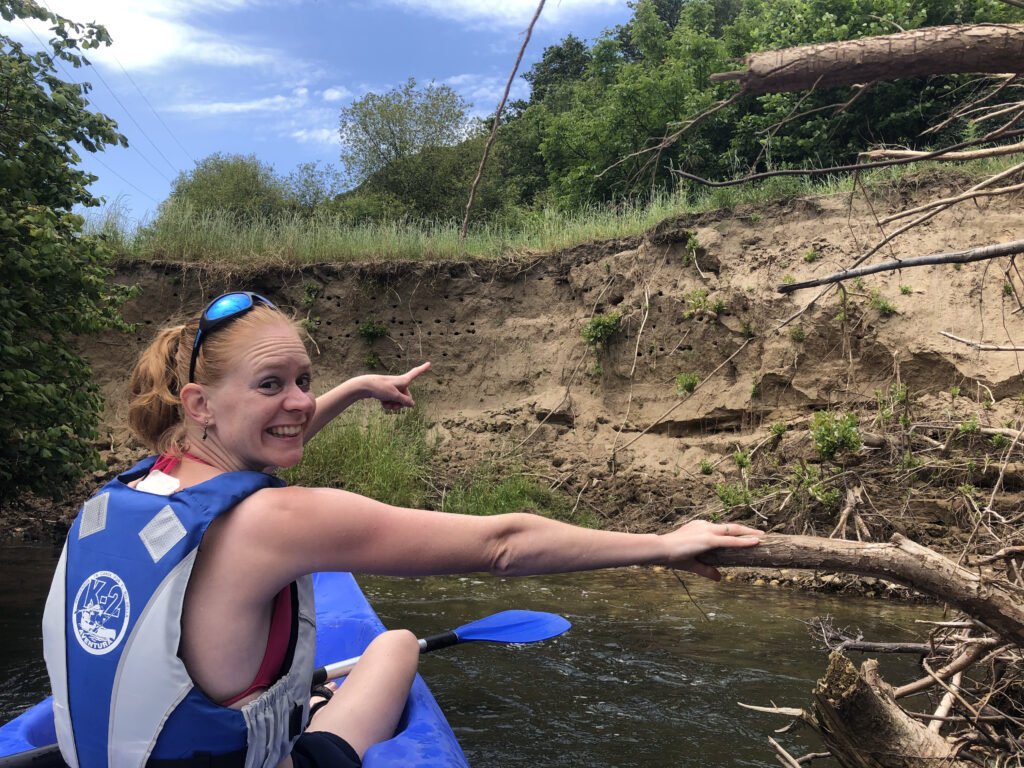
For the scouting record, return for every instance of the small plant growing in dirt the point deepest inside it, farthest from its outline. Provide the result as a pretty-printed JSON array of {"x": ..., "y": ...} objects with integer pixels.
[
  {"x": 797, "y": 334},
  {"x": 812, "y": 256},
  {"x": 778, "y": 429},
  {"x": 372, "y": 361},
  {"x": 999, "y": 442},
  {"x": 686, "y": 383},
  {"x": 310, "y": 293},
  {"x": 969, "y": 427},
  {"x": 601, "y": 328},
  {"x": 882, "y": 304},
  {"x": 742, "y": 459},
  {"x": 371, "y": 330},
  {"x": 906, "y": 290},
  {"x": 909, "y": 461},
  {"x": 788, "y": 280},
  {"x": 696, "y": 303},
  {"x": 733, "y": 495},
  {"x": 691, "y": 245},
  {"x": 834, "y": 433},
  {"x": 954, "y": 392},
  {"x": 706, "y": 467},
  {"x": 1007, "y": 288},
  {"x": 747, "y": 330},
  {"x": 718, "y": 306},
  {"x": 310, "y": 324}
]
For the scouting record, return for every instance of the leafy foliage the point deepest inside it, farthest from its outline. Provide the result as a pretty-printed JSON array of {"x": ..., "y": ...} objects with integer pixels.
[
  {"x": 53, "y": 278},
  {"x": 380, "y": 129},
  {"x": 241, "y": 185},
  {"x": 834, "y": 433},
  {"x": 600, "y": 329}
]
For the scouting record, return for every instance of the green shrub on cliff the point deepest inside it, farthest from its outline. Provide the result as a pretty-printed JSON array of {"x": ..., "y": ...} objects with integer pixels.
[{"x": 53, "y": 278}]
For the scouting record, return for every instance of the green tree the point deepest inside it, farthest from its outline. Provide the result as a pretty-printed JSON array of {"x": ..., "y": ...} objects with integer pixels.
[
  {"x": 380, "y": 129},
  {"x": 311, "y": 185},
  {"x": 54, "y": 279},
  {"x": 561, "y": 65},
  {"x": 241, "y": 185}
]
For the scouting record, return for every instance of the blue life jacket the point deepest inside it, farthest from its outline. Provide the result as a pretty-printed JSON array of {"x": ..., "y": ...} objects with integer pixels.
[{"x": 112, "y": 628}]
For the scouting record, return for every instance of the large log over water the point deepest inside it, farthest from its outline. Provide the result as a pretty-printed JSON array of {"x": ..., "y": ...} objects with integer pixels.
[
  {"x": 992, "y": 48},
  {"x": 996, "y": 603}
]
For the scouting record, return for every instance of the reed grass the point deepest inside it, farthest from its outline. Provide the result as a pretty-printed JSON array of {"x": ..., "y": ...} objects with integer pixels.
[
  {"x": 181, "y": 235},
  {"x": 392, "y": 458}
]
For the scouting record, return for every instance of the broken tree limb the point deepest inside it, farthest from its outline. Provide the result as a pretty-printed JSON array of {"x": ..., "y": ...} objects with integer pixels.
[
  {"x": 980, "y": 345},
  {"x": 863, "y": 727},
  {"x": 997, "y": 604},
  {"x": 949, "y": 157},
  {"x": 948, "y": 201},
  {"x": 974, "y": 652},
  {"x": 957, "y": 257},
  {"x": 993, "y": 48}
]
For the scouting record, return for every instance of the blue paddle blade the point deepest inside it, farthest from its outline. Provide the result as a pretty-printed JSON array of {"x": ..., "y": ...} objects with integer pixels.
[{"x": 514, "y": 627}]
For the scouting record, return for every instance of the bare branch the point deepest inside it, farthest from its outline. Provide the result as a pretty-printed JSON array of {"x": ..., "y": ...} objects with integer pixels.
[
  {"x": 949, "y": 157},
  {"x": 950, "y": 201},
  {"x": 981, "y": 346},
  {"x": 497, "y": 121},
  {"x": 959, "y": 257}
]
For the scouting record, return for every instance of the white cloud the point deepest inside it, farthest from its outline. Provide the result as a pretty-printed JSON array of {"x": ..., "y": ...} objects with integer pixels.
[
  {"x": 325, "y": 136},
  {"x": 336, "y": 93},
  {"x": 507, "y": 12},
  {"x": 484, "y": 92},
  {"x": 153, "y": 34},
  {"x": 280, "y": 103}
]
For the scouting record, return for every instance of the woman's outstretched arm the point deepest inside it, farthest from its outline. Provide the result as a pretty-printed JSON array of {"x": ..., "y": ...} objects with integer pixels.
[
  {"x": 283, "y": 533},
  {"x": 392, "y": 391}
]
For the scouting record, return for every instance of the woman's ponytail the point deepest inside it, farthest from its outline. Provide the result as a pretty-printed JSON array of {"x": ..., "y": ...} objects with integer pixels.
[{"x": 154, "y": 403}]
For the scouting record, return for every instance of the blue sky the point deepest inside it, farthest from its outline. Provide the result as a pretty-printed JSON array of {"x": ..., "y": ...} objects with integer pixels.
[{"x": 187, "y": 78}]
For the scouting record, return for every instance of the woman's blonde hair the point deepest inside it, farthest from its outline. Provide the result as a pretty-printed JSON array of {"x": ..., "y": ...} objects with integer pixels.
[{"x": 154, "y": 400}]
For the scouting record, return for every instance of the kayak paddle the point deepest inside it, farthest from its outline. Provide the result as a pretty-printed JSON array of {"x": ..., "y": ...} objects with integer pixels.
[{"x": 503, "y": 627}]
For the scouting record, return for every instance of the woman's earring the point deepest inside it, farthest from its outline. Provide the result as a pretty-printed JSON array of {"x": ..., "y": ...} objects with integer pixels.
[{"x": 206, "y": 425}]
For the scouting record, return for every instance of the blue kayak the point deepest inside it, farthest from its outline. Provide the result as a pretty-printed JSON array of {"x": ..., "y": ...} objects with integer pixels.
[{"x": 345, "y": 626}]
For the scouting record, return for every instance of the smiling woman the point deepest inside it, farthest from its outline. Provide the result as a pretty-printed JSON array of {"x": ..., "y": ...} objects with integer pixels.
[{"x": 183, "y": 597}]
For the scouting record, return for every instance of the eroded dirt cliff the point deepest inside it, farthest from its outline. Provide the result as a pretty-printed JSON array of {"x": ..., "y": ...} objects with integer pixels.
[{"x": 513, "y": 378}]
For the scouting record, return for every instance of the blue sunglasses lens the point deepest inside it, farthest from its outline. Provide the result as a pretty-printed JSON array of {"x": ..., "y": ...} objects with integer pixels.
[
  {"x": 228, "y": 305},
  {"x": 221, "y": 311}
]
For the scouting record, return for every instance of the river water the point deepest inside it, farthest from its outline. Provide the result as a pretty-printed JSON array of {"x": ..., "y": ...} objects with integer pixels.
[{"x": 644, "y": 678}]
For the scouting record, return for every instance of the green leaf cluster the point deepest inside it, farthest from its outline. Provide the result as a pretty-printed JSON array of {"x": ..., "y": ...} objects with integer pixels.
[
  {"x": 600, "y": 329},
  {"x": 834, "y": 433},
  {"x": 54, "y": 279}
]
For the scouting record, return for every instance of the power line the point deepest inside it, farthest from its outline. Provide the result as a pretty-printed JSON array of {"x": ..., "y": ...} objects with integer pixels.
[
  {"x": 95, "y": 155},
  {"x": 155, "y": 113},
  {"x": 94, "y": 69},
  {"x": 122, "y": 178}
]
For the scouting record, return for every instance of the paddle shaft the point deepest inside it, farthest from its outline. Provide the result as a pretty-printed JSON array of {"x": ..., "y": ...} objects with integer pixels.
[{"x": 342, "y": 668}]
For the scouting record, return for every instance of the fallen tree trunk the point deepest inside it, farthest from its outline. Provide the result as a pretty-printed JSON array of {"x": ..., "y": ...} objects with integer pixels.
[
  {"x": 863, "y": 726},
  {"x": 994, "y": 48},
  {"x": 997, "y": 604}
]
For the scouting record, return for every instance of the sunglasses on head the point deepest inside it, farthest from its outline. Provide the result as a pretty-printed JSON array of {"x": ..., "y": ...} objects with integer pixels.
[{"x": 219, "y": 313}]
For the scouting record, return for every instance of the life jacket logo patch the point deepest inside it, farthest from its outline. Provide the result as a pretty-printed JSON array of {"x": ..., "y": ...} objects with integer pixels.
[{"x": 100, "y": 612}]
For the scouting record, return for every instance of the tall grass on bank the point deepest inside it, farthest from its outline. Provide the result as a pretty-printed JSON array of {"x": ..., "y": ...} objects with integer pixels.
[
  {"x": 383, "y": 456},
  {"x": 183, "y": 235},
  {"x": 392, "y": 458}
]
